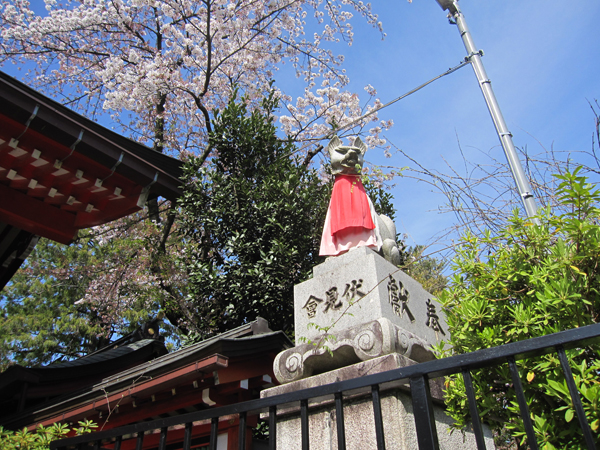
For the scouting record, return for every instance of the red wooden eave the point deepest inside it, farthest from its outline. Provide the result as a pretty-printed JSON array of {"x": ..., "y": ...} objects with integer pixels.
[
  {"x": 61, "y": 172},
  {"x": 52, "y": 191},
  {"x": 142, "y": 389}
]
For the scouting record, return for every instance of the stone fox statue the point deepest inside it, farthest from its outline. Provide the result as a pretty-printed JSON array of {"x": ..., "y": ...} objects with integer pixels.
[{"x": 351, "y": 219}]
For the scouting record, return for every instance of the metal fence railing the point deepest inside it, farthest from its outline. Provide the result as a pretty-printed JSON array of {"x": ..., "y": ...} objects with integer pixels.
[{"x": 417, "y": 375}]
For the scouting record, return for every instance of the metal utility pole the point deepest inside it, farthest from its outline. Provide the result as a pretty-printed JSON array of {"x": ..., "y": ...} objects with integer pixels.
[{"x": 474, "y": 56}]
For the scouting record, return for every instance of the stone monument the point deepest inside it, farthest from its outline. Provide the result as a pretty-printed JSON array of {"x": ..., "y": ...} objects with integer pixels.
[
  {"x": 357, "y": 307},
  {"x": 359, "y": 314}
]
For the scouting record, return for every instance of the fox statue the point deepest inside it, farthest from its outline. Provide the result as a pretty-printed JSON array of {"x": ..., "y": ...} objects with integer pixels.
[{"x": 351, "y": 219}]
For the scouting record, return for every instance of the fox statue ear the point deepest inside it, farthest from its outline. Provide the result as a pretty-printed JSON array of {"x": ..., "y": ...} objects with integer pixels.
[
  {"x": 333, "y": 144},
  {"x": 360, "y": 145}
]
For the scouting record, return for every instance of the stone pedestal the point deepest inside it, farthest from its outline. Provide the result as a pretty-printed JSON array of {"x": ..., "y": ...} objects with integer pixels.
[
  {"x": 396, "y": 407},
  {"x": 361, "y": 286},
  {"x": 357, "y": 316},
  {"x": 348, "y": 346},
  {"x": 358, "y": 306}
]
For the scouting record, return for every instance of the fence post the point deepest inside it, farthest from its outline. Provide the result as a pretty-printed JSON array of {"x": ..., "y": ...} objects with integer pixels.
[{"x": 423, "y": 411}]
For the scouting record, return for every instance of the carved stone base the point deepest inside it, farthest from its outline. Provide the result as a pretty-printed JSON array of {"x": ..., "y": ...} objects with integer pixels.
[
  {"x": 396, "y": 407},
  {"x": 352, "y": 345},
  {"x": 359, "y": 287}
]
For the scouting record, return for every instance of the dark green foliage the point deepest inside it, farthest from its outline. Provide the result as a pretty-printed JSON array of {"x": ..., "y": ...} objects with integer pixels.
[
  {"x": 40, "y": 321},
  {"x": 382, "y": 199},
  {"x": 251, "y": 221},
  {"x": 249, "y": 230},
  {"x": 70, "y": 300},
  {"x": 525, "y": 282}
]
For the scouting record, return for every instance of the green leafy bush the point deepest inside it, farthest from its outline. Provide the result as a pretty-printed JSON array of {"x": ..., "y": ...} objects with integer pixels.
[
  {"x": 530, "y": 280},
  {"x": 42, "y": 436}
]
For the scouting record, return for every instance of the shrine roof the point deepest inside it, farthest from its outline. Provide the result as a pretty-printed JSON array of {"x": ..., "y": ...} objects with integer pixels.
[
  {"x": 61, "y": 172},
  {"x": 146, "y": 377}
]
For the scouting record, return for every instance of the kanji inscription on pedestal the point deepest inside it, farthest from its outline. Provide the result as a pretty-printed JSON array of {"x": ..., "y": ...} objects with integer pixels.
[{"x": 358, "y": 287}]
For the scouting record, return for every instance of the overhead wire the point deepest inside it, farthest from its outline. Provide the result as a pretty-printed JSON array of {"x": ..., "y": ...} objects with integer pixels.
[{"x": 370, "y": 113}]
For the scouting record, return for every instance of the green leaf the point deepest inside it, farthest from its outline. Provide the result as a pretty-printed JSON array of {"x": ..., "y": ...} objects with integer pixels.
[{"x": 569, "y": 415}]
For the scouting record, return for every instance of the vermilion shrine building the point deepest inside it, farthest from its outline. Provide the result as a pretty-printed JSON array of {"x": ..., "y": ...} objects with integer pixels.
[{"x": 61, "y": 172}]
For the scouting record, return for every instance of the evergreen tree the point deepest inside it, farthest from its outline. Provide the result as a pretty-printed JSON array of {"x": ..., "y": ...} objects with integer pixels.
[
  {"x": 51, "y": 309},
  {"x": 251, "y": 221},
  {"x": 247, "y": 229},
  {"x": 426, "y": 269}
]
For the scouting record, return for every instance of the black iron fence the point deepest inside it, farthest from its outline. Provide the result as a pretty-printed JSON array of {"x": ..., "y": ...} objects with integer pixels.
[{"x": 417, "y": 375}]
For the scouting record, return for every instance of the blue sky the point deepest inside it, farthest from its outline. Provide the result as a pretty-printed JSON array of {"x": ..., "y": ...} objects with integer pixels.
[{"x": 541, "y": 56}]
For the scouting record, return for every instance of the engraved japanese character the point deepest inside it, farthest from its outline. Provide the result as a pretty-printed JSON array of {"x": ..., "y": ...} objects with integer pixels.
[
  {"x": 398, "y": 297},
  {"x": 311, "y": 306},
  {"x": 332, "y": 300},
  {"x": 352, "y": 290},
  {"x": 433, "y": 321}
]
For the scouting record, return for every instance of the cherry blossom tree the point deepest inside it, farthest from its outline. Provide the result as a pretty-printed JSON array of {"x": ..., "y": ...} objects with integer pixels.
[{"x": 161, "y": 69}]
